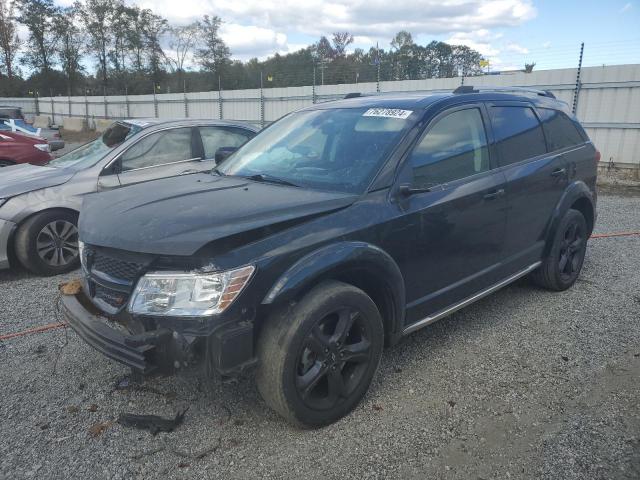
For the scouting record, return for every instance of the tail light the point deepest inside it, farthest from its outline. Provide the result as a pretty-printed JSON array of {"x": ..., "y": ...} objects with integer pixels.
[{"x": 598, "y": 156}]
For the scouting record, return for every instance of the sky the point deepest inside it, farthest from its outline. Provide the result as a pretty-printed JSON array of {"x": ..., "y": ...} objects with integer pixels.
[{"x": 507, "y": 32}]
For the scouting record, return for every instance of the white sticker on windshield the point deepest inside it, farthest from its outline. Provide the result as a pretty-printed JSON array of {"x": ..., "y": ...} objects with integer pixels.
[{"x": 387, "y": 113}]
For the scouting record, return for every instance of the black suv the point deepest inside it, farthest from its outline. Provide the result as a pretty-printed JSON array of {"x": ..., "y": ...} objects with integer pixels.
[{"x": 339, "y": 229}]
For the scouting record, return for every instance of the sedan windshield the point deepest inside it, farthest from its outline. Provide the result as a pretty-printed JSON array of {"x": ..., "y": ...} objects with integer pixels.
[
  {"x": 89, "y": 154},
  {"x": 332, "y": 149}
]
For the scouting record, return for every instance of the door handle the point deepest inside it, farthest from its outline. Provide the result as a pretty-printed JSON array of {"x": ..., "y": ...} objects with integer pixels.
[
  {"x": 494, "y": 194},
  {"x": 558, "y": 172}
]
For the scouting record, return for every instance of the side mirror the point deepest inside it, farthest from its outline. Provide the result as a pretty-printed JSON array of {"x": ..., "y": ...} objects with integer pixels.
[{"x": 224, "y": 152}]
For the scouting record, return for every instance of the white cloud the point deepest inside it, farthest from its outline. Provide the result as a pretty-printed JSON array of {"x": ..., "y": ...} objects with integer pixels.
[
  {"x": 626, "y": 8},
  {"x": 546, "y": 45},
  {"x": 514, "y": 47},
  {"x": 373, "y": 20}
]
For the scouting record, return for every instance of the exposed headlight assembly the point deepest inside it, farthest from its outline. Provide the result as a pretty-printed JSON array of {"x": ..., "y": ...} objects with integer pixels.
[
  {"x": 188, "y": 294},
  {"x": 44, "y": 147}
]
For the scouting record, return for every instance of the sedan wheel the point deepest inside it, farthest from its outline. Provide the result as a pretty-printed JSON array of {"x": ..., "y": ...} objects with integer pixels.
[{"x": 57, "y": 243}]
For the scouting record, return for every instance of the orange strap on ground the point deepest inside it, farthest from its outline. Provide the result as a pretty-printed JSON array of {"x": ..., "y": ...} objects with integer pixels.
[
  {"x": 43, "y": 328},
  {"x": 617, "y": 234}
]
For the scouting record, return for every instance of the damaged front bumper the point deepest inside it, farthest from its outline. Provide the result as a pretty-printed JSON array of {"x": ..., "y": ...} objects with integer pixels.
[{"x": 228, "y": 350}]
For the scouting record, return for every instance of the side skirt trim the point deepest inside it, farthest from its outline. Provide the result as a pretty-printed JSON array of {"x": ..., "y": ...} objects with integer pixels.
[{"x": 469, "y": 300}]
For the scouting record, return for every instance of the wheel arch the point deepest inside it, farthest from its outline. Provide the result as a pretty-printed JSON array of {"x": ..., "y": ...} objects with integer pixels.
[
  {"x": 360, "y": 264},
  {"x": 576, "y": 196},
  {"x": 31, "y": 215}
]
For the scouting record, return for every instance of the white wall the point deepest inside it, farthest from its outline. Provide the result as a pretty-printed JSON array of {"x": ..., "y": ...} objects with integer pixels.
[{"x": 608, "y": 103}]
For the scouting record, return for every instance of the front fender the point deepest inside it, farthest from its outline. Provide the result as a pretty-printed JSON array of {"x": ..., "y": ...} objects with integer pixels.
[
  {"x": 333, "y": 260},
  {"x": 574, "y": 192}
]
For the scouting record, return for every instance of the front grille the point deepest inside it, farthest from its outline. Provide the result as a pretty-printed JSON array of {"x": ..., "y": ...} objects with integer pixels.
[
  {"x": 118, "y": 269},
  {"x": 111, "y": 279},
  {"x": 110, "y": 297}
]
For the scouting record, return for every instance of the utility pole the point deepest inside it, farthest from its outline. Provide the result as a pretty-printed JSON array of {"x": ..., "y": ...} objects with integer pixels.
[{"x": 576, "y": 91}]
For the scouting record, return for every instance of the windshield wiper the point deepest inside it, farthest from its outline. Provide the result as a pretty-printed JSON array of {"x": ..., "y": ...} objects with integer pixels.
[{"x": 265, "y": 177}]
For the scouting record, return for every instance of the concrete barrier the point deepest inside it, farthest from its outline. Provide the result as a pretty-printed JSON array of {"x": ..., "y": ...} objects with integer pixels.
[
  {"x": 101, "y": 124},
  {"x": 41, "y": 121},
  {"x": 74, "y": 124}
]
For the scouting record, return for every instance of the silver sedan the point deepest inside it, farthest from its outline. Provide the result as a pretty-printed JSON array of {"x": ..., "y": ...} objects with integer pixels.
[{"x": 39, "y": 206}]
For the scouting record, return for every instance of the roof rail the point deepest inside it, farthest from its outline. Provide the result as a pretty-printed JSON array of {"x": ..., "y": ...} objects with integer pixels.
[{"x": 472, "y": 89}]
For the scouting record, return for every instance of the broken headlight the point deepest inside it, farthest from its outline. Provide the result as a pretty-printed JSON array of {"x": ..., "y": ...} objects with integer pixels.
[{"x": 188, "y": 294}]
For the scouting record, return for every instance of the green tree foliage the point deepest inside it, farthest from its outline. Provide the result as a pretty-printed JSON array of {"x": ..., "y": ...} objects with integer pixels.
[
  {"x": 39, "y": 18},
  {"x": 212, "y": 53},
  {"x": 9, "y": 41},
  {"x": 70, "y": 44}
]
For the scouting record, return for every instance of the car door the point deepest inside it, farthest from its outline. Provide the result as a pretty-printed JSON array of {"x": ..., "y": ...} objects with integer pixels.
[
  {"x": 535, "y": 179},
  {"x": 451, "y": 240},
  {"x": 215, "y": 137},
  {"x": 160, "y": 154}
]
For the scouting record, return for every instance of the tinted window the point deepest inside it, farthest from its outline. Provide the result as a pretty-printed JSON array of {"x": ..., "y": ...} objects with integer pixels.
[
  {"x": 518, "y": 134},
  {"x": 215, "y": 137},
  {"x": 455, "y": 147},
  {"x": 559, "y": 129},
  {"x": 158, "y": 149}
]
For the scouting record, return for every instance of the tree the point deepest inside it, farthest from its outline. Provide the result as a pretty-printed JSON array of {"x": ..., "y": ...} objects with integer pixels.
[
  {"x": 402, "y": 39},
  {"x": 528, "y": 67},
  {"x": 153, "y": 27},
  {"x": 213, "y": 54},
  {"x": 341, "y": 40},
  {"x": 69, "y": 47},
  {"x": 182, "y": 40},
  {"x": 97, "y": 16},
  {"x": 122, "y": 30},
  {"x": 39, "y": 17},
  {"x": 9, "y": 40}
]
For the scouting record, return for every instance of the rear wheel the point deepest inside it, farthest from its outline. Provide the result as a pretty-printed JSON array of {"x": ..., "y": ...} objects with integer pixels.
[
  {"x": 317, "y": 360},
  {"x": 561, "y": 268},
  {"x": 47, "y": 243}
]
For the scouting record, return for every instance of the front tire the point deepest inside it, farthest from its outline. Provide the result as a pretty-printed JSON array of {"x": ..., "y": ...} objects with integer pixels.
[
  {"x": 47, "y": 243},
  {"x": 317, "y": 359},
  {"x": 560, "y": 270}
]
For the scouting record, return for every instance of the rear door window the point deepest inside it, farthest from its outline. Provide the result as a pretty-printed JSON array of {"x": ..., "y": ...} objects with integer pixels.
[
  {"x": 454, "y": 147},
  {"x": 214, "y": 138},
  {"x": 518, "y": 133},
  {"x": 559, "y": 129}
]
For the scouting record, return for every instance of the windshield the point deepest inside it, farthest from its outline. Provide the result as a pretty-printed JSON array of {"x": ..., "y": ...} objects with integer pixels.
[
  {"x": 90, "y": 153},
  {"x": 333, "y": 149}
]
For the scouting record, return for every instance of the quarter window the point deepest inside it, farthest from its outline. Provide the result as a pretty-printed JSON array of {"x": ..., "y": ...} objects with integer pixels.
[
  {"x": 455, "y": 147},
  {"x": 518, "y": 134},
  {"x": 159, "y": 148},
  {"x": 214, "y": 138},
  {"x": 559, "y": 129}
]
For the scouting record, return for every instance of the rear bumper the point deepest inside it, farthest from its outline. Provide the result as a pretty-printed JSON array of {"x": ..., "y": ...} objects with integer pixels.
[
  {"x": 229, "y": 350},
  {"x": 6, "y": 229}
]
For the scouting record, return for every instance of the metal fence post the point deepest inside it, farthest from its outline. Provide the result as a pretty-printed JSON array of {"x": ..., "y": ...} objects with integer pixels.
[
  {"x": 313, "y": 88},
  {"x": 261, "y": 103},
  {"x": 106, "y": 108},
  {"x": 186, "y": 101},
  {"x": 86, "y": 106},
  {"x": 155, "y": 101},
  {"x": 53, "y": 113},
  {"x": 69, "y": 97},
  {"x": 126, "y": 101},
  {"x": 219, "y": 98},
  {"x": 37, "y": 102},
  {"x": 576, "y": 92}
]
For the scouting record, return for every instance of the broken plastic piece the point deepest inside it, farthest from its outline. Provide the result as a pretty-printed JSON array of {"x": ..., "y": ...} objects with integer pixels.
[{"x": 153, "y": 423}]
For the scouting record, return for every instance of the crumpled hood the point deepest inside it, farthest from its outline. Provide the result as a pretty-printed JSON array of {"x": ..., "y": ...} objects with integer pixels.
[
  {"x": 180, "y": 215},
  {"x": 24, "y": 178}
]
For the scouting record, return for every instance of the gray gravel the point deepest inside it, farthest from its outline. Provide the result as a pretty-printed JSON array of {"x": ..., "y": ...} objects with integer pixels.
[{"x": 524, "y": 384}]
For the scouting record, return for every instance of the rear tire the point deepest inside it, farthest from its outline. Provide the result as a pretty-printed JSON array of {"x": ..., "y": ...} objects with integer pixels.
[
  {"x": 47, "y": 243},
  {"x": 316, "y": 359},
  {"x": 561, "y": 268}
]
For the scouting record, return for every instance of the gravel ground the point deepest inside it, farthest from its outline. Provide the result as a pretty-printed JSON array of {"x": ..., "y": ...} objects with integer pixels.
[{"x": 523, "y": 384}]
